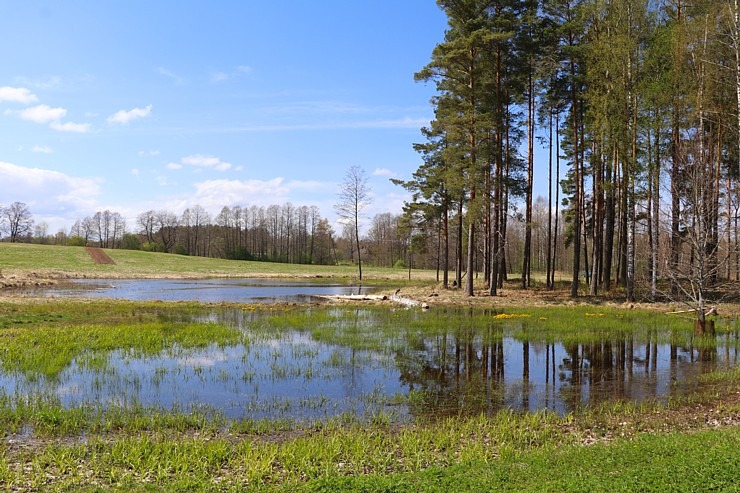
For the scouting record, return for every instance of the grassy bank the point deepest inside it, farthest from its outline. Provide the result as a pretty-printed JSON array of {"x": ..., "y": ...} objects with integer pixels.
[
  {"x": 505, "y": 453},
  {"x": 49, "y": 261}
]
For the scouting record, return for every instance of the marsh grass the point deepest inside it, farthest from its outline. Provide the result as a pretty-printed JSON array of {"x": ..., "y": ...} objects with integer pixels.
[
  {"x": 133, "y": 447},
  {"x": 509, "y": 452},
  {"x": 46, "y": 351}
]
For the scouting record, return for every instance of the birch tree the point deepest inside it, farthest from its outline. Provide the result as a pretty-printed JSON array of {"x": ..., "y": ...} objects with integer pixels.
[{"x": 353, "y": 198}]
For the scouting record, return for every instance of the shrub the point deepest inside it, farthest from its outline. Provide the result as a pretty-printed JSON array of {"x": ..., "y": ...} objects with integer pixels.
[
  {"x": 76, "y": 241},
  {"x": 152, "y": 246},
  {"x": 130, "y": 242}
]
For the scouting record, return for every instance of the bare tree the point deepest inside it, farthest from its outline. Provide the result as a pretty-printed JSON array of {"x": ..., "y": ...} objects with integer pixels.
[
  {"x": 167, "y": 222},
  {"x": 354, "y": 196},
  {"x": 118, "y": 229},
  {"x": 41, "y": 233},
  {"x": 16, "y": 220},
  {"x": 146, "y": 221},
  {"x": 695, "y": 270}
]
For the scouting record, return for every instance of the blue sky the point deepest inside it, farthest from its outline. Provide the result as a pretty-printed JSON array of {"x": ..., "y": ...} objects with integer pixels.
[{"x": 137, "y": 105}]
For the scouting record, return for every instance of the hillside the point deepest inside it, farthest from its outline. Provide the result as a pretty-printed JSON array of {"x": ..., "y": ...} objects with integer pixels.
[{"x": 23, "y": 264}]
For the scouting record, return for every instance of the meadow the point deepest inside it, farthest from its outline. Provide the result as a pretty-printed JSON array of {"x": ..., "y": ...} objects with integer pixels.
[
  {"x": 683, "y": 441},
  {"x": 63, "y": 262}
]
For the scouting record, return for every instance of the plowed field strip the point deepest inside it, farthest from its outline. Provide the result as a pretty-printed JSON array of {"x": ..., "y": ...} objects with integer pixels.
[{"x": 99, "y": 256}]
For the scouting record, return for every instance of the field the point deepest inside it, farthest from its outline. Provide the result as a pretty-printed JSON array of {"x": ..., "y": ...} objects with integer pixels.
[
  {"x": 44, "y": 263},
  {"x": 686, "y": 443}
]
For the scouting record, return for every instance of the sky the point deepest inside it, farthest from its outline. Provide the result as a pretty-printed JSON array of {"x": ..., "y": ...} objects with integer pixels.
[{"x": 135, "y": 105}]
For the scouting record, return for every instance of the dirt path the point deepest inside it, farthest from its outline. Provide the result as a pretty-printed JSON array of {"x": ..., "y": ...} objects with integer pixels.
[{"x": 99, "y": 256}]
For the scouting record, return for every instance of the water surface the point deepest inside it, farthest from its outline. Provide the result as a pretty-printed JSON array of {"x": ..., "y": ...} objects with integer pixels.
[
  {"x": 317, "y": 372},
  {"x": 202, "y": 290}
]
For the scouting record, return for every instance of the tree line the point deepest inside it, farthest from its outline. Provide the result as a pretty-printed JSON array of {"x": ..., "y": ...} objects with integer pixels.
[
  {"x": 277, "y": 233},
  {"x": 255, "y": 233},
  {"x": 637, "y": 105}
]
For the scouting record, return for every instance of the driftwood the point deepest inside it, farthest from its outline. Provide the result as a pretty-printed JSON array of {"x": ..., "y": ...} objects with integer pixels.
[
  {"x": 712, "y": 310},
  {"x": 408, "y": 301},
  {"x": 371, "y": 297},
  {"x": 358, "y": 297}
]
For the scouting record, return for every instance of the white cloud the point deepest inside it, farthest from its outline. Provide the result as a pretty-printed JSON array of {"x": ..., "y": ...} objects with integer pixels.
[
  {"x": 318, "y": 124},
  {"x": 217, "y": 193},
  {"x": 238, "y": 72},
  {"x": 42, "y": 149},
  {"x": 48, "y": 83},
  {"x": 219, "y": 76},
  {"x": 149, "y": 153},
  {"x": 135, "y": 172},
  {"x": 312, "y": 186},
  {"x": 17, "y": 95},
  {"x": 79, "y": 128},
  {"x": 173, "y": 166},
  {"x": 202, "y": 161},
  {"x": 42, "y": 114},
  {"x": 168, "y": 73},
  {"x": 203, "y": 361},
  {"x": 124, "y": 117},
  {"x": 53, "y": 197},
  {"x": 384, "y": 172}
]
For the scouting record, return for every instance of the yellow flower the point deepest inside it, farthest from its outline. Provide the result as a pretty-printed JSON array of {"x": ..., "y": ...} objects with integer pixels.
[{"x": 510, "y": 315}]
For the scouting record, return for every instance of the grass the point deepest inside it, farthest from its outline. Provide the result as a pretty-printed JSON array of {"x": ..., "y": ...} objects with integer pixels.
[
  {"x": 505, "y": 453},
  {"x": 654, "y": 463},
  {"x": 56, "y": 261}
]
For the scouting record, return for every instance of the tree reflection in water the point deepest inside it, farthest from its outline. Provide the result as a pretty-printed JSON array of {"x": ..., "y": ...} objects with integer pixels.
[{"x": 464, "y": 370}]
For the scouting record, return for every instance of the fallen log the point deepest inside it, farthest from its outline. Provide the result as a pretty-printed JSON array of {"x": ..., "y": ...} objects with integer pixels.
[
  {"x": 710, "y": 310},
  {"x": 372, "y": 297},
  {"x": 358, "y": 297},
  {"x": 409, "y": 302}
]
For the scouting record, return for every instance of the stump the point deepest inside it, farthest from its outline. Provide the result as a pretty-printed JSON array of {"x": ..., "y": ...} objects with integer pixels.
[{"x": 705, "y": 328}]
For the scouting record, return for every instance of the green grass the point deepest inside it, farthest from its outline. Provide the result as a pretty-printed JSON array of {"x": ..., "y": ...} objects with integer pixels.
[
  {"x": 507, "y": 453},
  {"x": 46, "y": 351},
  {"x": 706, "y": 461},
  {"x": 75, "y": 262}
]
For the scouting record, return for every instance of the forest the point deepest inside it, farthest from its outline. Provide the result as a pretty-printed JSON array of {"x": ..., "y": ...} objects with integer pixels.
[{"x": 637, "y": 103}]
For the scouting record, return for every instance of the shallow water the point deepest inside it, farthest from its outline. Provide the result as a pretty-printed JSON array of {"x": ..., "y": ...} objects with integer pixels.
[
  {"x": 295, "y": 372},
  {"x": 202, "y": 290}
]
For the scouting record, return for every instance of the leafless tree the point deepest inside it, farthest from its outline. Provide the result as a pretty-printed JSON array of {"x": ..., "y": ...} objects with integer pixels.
[
  {"x": 354, "y": 196},
  {"x": 383, "y": 238},
  {"x": 167, "y": 223},
  {"x": 695, "y": 270},
  {"x": 146, "y": 221},
  {"x": 41, "y": 233},
  {"x": 16, "y": 221}
]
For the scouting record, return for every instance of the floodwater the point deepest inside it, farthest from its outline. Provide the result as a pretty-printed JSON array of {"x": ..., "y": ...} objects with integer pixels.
[
  {"x": 294, "y": 372},
  {"x": 202, "y": 290}
]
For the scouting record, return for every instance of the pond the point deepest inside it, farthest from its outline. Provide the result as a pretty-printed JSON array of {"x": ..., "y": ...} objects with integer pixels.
[
  {"x": 328, "y": 362},
  {"x": 201, "y": 290}
]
